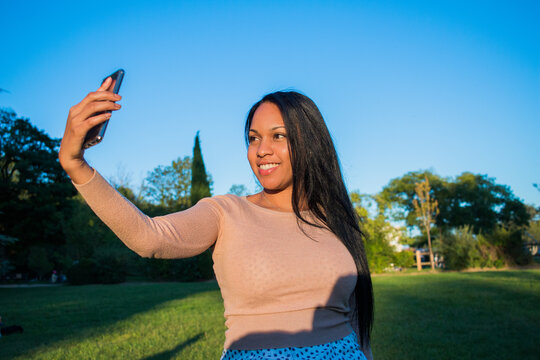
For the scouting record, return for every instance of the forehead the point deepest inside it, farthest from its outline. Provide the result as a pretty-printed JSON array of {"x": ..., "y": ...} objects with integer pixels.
[{"x": 267, "y": 116}]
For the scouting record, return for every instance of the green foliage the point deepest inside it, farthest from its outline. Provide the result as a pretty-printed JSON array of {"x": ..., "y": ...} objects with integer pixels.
[
  {"x": 404, "y": 259},
  {"x": 469, "y": 199},
  {"x": 378, "y": 250},
  {"x": 460, "y": 249},
  {"x": 509, "y": 242},
  {"x": 397, "y": 197},
  {"x": 5, "y": 264},
  {"x": 238, "y": 190},
  {"x": 38, "y": 261},
  {"x": 463, "y": 249},
  {"x": 187, "y": 270},
  {"x": 169, "y": 186},
  {"x": 200, "y": 186},
  {"x": 480, "y": 223},
  {"x": 533, "y": 231},
  {"x": 34, "y": 190},
  {"x": 105, "y": 269},
  {"x": 379, "y": 232},
  {"x": 84, "y": 271}
]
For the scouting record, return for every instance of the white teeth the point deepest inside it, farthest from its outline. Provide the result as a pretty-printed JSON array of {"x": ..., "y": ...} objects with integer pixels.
[{"x": 267, "y": 166}]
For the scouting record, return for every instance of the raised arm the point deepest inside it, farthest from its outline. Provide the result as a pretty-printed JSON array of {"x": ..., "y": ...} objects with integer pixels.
[{"x": 177, "y": 235}]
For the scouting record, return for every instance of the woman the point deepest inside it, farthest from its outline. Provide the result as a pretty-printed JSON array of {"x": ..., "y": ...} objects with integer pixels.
[{"x": 289, "y": 260}]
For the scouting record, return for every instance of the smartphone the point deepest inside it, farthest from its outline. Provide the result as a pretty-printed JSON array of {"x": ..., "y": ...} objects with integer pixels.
[{"x": 96, "y": 134}]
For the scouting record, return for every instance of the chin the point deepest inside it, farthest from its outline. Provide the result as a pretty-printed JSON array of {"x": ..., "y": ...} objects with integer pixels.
[{"x": 273, "y": 187}]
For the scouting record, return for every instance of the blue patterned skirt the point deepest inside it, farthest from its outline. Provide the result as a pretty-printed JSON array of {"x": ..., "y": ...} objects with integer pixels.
[{"x": 346, "y": 348}]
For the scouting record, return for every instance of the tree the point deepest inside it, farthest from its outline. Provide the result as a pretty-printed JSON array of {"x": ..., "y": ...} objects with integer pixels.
[
  {"x": 38, "y": 261},
  {"x": 238, "y": 190},
  {"x": 397, "y": 197},
  {"x": 34, "y": 190},
  {"x": 537, "y": 188},
  {"x": 200, "y": 186},
  {"x": 169, "y": 186},
  {"x": 5, "y": 265},
  {"x": 427, "y": 210},
  {"x": 379, "y": 236},
  {"x": 469, "y": 199}
]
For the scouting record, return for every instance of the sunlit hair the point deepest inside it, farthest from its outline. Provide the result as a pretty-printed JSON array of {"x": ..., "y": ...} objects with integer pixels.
[{"x": 317, "y": 182}]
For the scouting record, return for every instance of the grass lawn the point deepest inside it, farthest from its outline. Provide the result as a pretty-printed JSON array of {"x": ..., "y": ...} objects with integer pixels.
[{"x": 481, "y": 315}]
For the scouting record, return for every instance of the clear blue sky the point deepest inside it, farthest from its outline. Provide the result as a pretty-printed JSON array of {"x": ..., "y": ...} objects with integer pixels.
[{"x": 450, "y": 86}]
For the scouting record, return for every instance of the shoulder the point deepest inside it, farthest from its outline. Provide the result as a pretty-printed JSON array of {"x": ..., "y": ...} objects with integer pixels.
[{"x": 227, "y": 203}]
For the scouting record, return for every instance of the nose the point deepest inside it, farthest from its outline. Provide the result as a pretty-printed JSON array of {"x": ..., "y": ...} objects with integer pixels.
[{"x": 265, "y": 148}]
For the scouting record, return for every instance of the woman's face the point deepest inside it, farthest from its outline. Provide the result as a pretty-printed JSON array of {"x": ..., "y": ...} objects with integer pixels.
[{"x": 268, "y": 151}]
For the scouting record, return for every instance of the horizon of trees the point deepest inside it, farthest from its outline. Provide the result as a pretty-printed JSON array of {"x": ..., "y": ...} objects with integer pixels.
[{"x": 45, "y": 224}]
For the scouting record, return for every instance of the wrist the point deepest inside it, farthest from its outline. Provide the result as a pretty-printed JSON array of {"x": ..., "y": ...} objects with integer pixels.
[
  {"x": 72, "y": 165},
  {"x": 79, "y": 171}
]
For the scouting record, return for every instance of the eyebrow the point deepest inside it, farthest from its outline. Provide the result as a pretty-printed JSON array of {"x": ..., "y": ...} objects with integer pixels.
[{"x": 274, "y": 128}]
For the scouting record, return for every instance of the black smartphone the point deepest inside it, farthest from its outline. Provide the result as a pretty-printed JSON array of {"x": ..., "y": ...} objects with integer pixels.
[{"x": 96, "y": 134}]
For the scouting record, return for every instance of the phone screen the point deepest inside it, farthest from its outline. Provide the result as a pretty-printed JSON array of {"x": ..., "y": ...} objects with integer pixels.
[{"x": 96, "y": 134}]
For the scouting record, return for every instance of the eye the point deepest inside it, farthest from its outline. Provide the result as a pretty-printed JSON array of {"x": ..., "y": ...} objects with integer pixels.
[
  {"x": 252, "y": 139},
  {"x": 280, "y": 136}
]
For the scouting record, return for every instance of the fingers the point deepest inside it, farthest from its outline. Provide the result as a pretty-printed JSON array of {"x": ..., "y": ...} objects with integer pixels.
[
  {"x": 78, "y": 132},
  {"x": 95, "y": 98},
  {"x": 101, "y": 94},
  {"x": 105, "y": 85},
  {"x": 96, "y": 120},
  {"x": 96, "y": 107}
]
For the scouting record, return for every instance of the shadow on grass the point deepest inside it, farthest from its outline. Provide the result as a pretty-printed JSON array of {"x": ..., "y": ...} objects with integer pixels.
[
  {"x": 53, "y": 315},
  {"x": 170, "y": 354},
  {"x": 457, "y": 316}
]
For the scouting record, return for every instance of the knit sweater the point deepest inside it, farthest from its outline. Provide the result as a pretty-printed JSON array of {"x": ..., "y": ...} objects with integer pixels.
[{"x": 283, "y": 283}]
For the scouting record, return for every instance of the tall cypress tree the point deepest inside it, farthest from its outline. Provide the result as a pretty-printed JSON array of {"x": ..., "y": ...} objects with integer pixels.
[{"x": 200, "y": 187}]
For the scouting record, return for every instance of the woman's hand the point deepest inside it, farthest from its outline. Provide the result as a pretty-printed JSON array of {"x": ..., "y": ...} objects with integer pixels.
[{"x": 82, "y": 117}]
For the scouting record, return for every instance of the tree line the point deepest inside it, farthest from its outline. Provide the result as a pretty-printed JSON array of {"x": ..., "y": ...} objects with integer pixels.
[
  {"x": 472, "y": 220},
  {"x": 45, "y": 225}
]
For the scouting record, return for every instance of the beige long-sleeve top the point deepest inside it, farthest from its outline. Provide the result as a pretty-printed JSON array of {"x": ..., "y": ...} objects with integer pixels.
[{"x": 282, "y": 284}]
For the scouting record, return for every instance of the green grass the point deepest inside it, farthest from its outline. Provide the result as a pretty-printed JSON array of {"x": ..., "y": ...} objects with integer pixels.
[{"x": 481, "y": 315}]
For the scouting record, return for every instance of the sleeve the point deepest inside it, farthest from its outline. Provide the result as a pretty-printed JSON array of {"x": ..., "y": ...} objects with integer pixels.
[{"x": 177, "y": 235}]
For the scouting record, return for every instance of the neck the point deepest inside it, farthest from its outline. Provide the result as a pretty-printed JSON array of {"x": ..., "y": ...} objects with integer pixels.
[{"x": 276, "y": 200}]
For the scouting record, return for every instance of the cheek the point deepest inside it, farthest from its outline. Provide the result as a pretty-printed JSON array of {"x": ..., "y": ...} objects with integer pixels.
[
  {"x": 252, "y": 158},
  {"x": 285, "y": 157}
]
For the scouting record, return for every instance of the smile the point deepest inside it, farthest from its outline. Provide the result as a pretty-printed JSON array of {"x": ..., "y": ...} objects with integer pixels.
[{"x": 267, "y": 166}]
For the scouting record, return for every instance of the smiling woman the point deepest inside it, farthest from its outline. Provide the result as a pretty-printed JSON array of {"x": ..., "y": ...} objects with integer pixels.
[
  {"x": 289, "y": 261},
  {"x": 268, "y": 155}
]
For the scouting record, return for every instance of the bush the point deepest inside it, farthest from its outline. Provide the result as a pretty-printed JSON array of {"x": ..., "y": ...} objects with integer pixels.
[
  {"x": 83, "y": 272},
  {"x": 189, "y": 269},
  {"x": 104, "y": 270},
  {"x": 404, "y": 259},
  {"x": 460, "y": 249},
  {"x": 509, "y": 245},
  {"x": 38, "y": 261}
]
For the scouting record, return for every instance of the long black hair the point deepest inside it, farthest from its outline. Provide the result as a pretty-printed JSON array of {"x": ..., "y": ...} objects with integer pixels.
[{"x": 318, "y": 183}]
